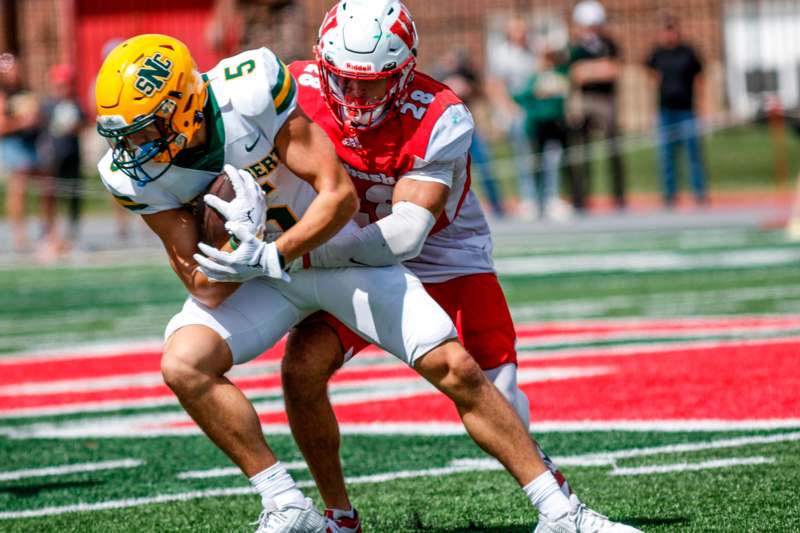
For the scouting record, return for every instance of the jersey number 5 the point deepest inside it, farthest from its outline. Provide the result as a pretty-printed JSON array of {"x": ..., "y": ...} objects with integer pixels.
[
  {"x": 248, "y": 65},
  {"x": 281, "y": 215}
]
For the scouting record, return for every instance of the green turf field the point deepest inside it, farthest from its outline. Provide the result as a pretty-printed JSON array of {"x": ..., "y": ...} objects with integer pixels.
[
  {"x": 745, "y": 499},
  {"x": 723, "y": 479}
]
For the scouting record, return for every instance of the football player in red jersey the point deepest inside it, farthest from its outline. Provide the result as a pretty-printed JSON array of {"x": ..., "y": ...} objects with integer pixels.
[{"x": 404, "y": 139}]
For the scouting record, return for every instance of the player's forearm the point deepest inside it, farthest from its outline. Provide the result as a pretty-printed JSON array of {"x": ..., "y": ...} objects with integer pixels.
[
  {"x": 327, "y": 214},
  {"x": 209, "y": 293}
]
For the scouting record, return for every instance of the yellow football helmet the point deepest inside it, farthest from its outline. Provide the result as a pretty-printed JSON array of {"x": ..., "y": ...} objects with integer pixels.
[{"x": 150, "y": 98}]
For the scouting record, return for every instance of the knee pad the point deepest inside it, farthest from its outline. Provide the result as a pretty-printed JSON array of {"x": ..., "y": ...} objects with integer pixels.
[{"x": 504, "y": 378}]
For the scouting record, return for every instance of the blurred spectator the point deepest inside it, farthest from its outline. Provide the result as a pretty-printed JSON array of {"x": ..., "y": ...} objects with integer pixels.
[
  {"x": 511, "y": 63},
  {"x": 677, "y": 70},
  {"x": 594, "y": 72},
  {"x": 97, "y": 147},
  {"x": 543, "y": 98},
  {"x": 59, "y": 149},
  {"x": 19, "y": 128},
  {"x": 455, "y": 70}
]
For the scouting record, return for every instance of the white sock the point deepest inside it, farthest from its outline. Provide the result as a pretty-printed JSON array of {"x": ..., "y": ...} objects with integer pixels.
[
  {"x": 341, "y": 513},
  {"x": 276, "y": 485},
  {"x": 545, "y": 494}
]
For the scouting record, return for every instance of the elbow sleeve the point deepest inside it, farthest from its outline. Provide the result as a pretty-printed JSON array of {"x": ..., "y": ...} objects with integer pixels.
[
  {"x": 406, "y": 229},
  {"x": 393, "y": 239}
]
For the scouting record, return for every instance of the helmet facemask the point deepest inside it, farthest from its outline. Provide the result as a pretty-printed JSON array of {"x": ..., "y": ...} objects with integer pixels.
[
  {"x": 149, "y": 138},
  {"x": 358, "y": 111}
]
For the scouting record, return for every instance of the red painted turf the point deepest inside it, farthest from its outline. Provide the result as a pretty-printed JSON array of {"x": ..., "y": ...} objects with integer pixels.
[
  {"x": 67, "y": 367},
  {"x": 732, "y": 382}
]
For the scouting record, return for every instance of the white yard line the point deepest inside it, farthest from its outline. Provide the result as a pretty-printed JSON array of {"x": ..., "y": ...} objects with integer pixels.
[
  {"x": 116, "y": 427},
  {"x": 233, "y": 471},
  {"x": 661, "y": 303},
  {"x": 651, "y": 261},
  {"x": 646, "y": 336},
  {"x": 736, "y": 442},
  {"x": 237, "y": 491},
  {"x": 122, "y": 504},
  {"x": 689, "y": 467},
  {"x": 63, "y": 470},
  {"x": 457, "y": 466},
  {"x": 646, "y": 348},
  {"x": 84, "y": 351}
]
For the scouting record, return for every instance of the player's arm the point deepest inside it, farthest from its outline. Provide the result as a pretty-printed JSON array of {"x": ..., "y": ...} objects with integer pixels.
[
  {"x": 308, "y": 153},
  {"x": 178, "y": 232}
]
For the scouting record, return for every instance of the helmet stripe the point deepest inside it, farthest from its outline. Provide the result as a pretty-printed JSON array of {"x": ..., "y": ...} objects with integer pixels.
[
  {"x": 404, "y": 28},
  {"x": 329, "y": 23}
]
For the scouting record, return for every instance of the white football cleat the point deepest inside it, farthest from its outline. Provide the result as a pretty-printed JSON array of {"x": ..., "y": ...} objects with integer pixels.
[
  {"x": 291, "y": 519},
  {"x": 581, "y": 520}
]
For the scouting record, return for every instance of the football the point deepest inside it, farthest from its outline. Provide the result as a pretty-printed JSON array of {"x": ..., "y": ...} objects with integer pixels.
[{"x": 210, "y": 224}]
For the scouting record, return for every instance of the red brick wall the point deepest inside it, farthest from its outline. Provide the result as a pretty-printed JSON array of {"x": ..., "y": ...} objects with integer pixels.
[{"x": 290, "y": 27}]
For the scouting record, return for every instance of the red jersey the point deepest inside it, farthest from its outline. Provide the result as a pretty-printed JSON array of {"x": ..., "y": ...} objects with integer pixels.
[{"x": 427, "y": 139}]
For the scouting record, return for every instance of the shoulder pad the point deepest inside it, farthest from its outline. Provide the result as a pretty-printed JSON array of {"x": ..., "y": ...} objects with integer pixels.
[
  {"x": 451, "y": 136},
  {"x": 252, "y": 94}
]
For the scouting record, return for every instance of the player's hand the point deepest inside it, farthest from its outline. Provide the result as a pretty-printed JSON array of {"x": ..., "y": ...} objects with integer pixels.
[
  {"x": 251, "y": 259},
  {"x": 249, "y": 208}
]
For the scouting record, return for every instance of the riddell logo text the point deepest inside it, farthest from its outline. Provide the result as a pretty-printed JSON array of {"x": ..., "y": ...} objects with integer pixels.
[
  {"x": 358, "y": 67},
  {"x": 375, "y": 178}
]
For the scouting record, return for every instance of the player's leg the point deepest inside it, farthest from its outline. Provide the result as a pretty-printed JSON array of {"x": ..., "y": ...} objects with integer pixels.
[
  {"x": 495, "y": 427},
  {"x": 427, "y": 341},
  {"x": 487, "y": 332},
  {"x": 202, "y": 345},
  {"x": 194, "y": 364},
  {"x": 373, "y": 301},
  {"x": 477, "y": 305},
  {"x": 313, "y": 354}
]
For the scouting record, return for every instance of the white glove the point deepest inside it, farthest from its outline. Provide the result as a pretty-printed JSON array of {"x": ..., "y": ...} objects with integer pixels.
[
  {"x": 251, "y": 259},
  {"x": 249, "y": 208}
]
